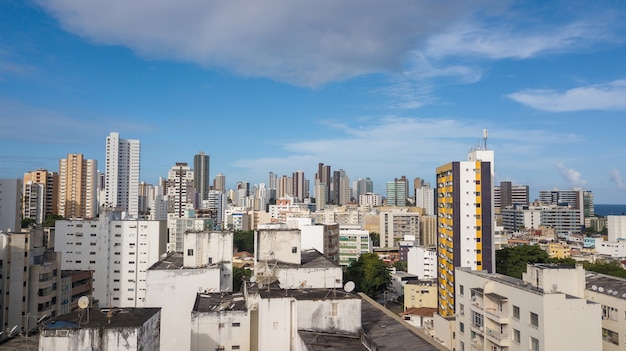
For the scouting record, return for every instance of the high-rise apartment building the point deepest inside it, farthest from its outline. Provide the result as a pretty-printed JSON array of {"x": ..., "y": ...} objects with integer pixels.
[
  {"x": 576, "y": 198},
  {"x": 179, "y": 189},
  {"x": 465, "y": 220},
  {"x": 40, "y": 194},
  {"x": 10, "y": 198},
  {"x": 123, "y": 161},
  {"x": 424, "y": 196},
  {"x": 361, "y": 187},
  {"x": 300, "y": 190},
  {"x": 78, "y": 179},
  {"x": 323, "y": 176},
  {"x": 397, "y": 192},
  {"x": 508, "y": 194},
  {"x": 201, "y": 180},
  {"x": 219, "y": 183}
]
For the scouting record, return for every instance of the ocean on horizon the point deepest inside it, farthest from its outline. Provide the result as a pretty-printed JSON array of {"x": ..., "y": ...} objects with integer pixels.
[{"x": 605, "y": 210}]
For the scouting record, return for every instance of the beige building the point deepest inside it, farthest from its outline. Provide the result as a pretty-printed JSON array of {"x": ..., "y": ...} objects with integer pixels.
[
  {"x": 422, "y": 294},
  {"x": 40, "y": 194},
  {"x": 77, "y": 187}
]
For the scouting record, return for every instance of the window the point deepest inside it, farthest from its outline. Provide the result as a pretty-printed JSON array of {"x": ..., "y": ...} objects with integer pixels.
[
  {"x": 294, "y": 249},
  {"x": 516, "y": 336},
  {"x": 477, "y": 319},
  {"x": 461, "y": 290},
  {"x": 461, "y": 327},
  {"x": 610, "y": 336},
  {"x": 235, "y": 347},
  {"x": 534, "y": 344},
  {"x": 534, "y": 320},
  {"x": 236, "y": 324},
  {"x": 516, "y": 312},
  {"x": 189, "y": 252}
]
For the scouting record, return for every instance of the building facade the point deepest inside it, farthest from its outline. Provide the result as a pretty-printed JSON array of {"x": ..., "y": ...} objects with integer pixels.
[
  {"x": 123, "y": 160},
  {"x": 78, "y": 179}
]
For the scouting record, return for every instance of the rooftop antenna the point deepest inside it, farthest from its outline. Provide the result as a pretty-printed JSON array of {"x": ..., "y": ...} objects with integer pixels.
[{"x": 485, "y": 136}]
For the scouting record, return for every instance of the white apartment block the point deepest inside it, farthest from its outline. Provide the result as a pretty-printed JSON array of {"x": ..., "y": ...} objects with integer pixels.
[
  {"x": 353, "y": 242},
  {"x": 610, "y": 293},
  {"x": 278, "y": 257},
  {"x": 370, "y": 199},
  {"x": 119, "y": 252},
  {"x": 422, "y": 261},
  {"x": 544, "y": 311},
  {"x": 616, "y": 226},
  {"x": 123, "y": 161},
  {"x": 394, "y": 225},
  {"x": 231, "y": 316},
  {"x": 425, "y": 198},
  {"x": 615, "y": 249},
  {"x": 205, "y": 266},
  {"x": 321, "y": 237},
  {"x": 178, "y": 226}
]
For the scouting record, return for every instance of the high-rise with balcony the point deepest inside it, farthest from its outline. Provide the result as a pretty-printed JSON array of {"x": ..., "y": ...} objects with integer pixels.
[
  {"x": 178, "y": 189},
  {"x": 465, "y": 220},
  {"x": 397, "y": 192},
  {"x": 40, "y": 193},
  {"x": 201, "y": 180},
  {"x": 122, "y": 174},
  {"x": 78, "y": 179}
]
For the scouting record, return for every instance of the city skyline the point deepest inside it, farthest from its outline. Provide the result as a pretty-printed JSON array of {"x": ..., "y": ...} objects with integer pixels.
[{"x": 281, "y": 91}]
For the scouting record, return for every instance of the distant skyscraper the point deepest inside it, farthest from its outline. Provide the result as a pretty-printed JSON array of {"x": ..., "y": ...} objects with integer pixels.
[
  {"x": 122, "y": 173},
  {"x": 507, "y": 194},
  {"x": 272, "y": 180},
  {"x": 201, "y": 180},
  {"x": 284, "y": 187},
  {"x": 424, "y": 196},
  {"x": 219, "y": 183},
  {"x": 323, "y": 175},
  {"x": 465, "y": 220},
  {"x": 78, "y": 179},
  {"x": 179, "y": 189},
  {"x": 397, "y": 192},
  {"x": 41, "y": 189},
  {"x": 362, "y": 186},
  {"x": 299, "y": 186}
]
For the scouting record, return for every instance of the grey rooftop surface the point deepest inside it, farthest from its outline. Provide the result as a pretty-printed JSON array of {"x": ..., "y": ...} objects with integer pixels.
[
  {"x": 219, "y": 302},
  {"x": 302, "y": 294},
  {"x": 389, "y": 332},
  {"x": 120, "y": 318},
  {"x": 606, "y": 284},
  {"x": 330, "y": 342},
  {"x": 308, "y": 259}
]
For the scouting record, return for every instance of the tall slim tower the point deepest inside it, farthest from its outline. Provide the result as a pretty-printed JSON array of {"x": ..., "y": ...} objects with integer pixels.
[
  {"x": 122, "y": 174},
  {"x": 201, "y": 180},
  {"x": 78, "y": 179},
  {"x": 178, "y": 188},
  {"x": 465, "y": 221},
  {"x": 299, "y": 183},
  {"x": 323, "y": 177}
]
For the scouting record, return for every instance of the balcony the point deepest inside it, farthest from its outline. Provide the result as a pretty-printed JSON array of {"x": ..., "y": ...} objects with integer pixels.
[{"x": 499, "y": 338}]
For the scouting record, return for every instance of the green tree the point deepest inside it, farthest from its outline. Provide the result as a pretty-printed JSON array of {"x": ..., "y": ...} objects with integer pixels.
[
  {"x": 51, "y": 219},
  {"x": 609, "y": 268},
  {"x": 512, "y": 261},
  {"x": 400, "y": 266},
  {"x": 27, "y": 222},
  {"x": 370, "y": 274},
  {"x": 239, "y": 274},
  {"x": 375, "y": 237},
  {"x": 244, "y": 240}
]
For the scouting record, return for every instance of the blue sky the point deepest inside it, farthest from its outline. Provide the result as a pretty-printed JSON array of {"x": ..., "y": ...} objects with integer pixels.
[{"x": 379, "y": 89}]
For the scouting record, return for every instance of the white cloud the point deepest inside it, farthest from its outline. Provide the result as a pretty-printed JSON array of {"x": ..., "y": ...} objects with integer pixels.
[
  {"x": 504, "y": 41},
  {"x": 572, "y": 176},
  {"x": 609, "y": 96},
  {"x": 310, "y": 43},
  {"x": 616, "y": 177}
]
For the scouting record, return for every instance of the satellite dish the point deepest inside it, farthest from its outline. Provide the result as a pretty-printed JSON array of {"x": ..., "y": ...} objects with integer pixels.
[
  {"x": 253, "y": 279},
  {"x": 261, "y": 285},
  {"x": 349, "y": 286},
  {"x": 83, "y": 302}
]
